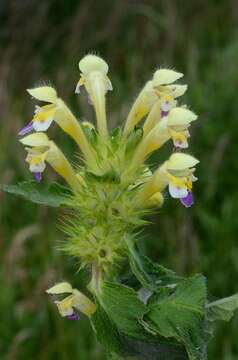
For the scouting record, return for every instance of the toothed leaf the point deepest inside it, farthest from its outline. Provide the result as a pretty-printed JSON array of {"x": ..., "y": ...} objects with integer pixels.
[
  {"x": 181, "y": 315},
  {"x": 55, "y": 195},
  {"x": 223, "y": 309}
]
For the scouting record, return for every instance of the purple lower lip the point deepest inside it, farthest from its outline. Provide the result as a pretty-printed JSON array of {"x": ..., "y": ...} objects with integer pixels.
[
  {"x": 187, "y": 201},
  {"x": 74, "y": 316},
  {"x": 163, "y": 113},
  {"x": 37, "y": 176},
  {"x": 28, "y": 128}
]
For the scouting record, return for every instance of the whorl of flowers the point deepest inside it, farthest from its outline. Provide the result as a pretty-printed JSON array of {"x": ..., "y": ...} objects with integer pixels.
[{"x": 113, "y": 187}]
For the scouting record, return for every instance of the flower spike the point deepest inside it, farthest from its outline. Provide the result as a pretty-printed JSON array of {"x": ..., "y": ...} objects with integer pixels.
[{"x": 113, "y": 186}]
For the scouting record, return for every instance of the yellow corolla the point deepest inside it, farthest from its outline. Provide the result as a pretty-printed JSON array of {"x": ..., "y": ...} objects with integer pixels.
[
  {"x": 178, "y": 174},
  {"x": 74, "y": 301},
  {"x": 173, "y": 126},
  {"x": 94, "y": 77},
  {"x": 56, "y": 110},
  {"x": 40, "y": 150},
  {"x": 167, "y": 93},
  {"x": 156, "y": 98},
  {"x": 44, "y": 115}
]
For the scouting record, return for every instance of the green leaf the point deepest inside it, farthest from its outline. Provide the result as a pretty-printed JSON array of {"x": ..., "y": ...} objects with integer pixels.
[
  {"x": 119, "y": 346},
  {"x": 106, "y": 331},
  {"x": 159, "y": 349},
  {"x": 222, "y": 309},
  {"x": 181, "y": 315},
  {"x": 151, "y": 276},
  {"x": 124, "y": 308},
  {"x": 55, "y": 195}
]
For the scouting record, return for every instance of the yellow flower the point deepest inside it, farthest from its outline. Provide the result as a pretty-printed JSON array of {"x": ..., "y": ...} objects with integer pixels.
[
  {"x": 156, "y": 98},
  {"x": 177, "y": 174},
  {"x": 44, "y": 115},
  {"x": 43, "y": 150},
  {"x": 173, "y": 126},
  {"x": 180, "y": 169},
  {"x": 56, "y": 111},
  {"x": 76, "y": 300},
  {"x": 94, "y": 77},
  {"x": 167, "y": 93}
]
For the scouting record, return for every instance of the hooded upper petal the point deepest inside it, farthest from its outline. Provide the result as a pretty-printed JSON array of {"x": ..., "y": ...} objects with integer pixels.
[
  {"x": 60, "y": 288},
  {"x": 181, "y": 161},
  {"x": 165, "y": 77},
  {"x": 44, "y": 93},
  {"x": 93, "y": 63},
  {"x": 177, "y": 90},
  {"x": 180, "y": 117},
  {"x": 36, "y": 139}
]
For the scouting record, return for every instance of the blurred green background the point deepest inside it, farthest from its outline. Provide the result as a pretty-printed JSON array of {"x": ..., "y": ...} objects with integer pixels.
[{"x": 42, "y": 41}]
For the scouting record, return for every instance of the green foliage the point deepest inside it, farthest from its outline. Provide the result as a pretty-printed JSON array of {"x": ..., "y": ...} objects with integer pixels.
[
  {"x": 120, "y": 346},
  {"x": 106, "y": 331},
  {"x": 55, "y": 195},
  {"x": 151, "y": 276},
  {"x": 124, "y": 308},
  {"x": 222, "y": 309},
  {"x": 181, "y": 315}
]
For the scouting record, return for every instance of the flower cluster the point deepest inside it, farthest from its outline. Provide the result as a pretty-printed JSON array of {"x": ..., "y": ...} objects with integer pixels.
[{"x": 112, "y": 187}]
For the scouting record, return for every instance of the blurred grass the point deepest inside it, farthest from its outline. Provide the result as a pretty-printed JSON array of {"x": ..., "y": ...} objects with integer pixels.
[{"x": 43, "y": 41}]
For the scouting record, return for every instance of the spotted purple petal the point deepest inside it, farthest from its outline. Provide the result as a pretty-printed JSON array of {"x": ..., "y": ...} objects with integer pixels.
[
  {"x": 74, "y": 316},
  {"x": 28, "y": 128},
  {"x": 187, "y": 201},
  {"x": 37, "y": 176},
  {"x": 163, "y": 113}
]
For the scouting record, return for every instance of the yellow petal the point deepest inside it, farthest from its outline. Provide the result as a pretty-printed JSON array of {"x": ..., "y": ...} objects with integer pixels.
[
  {"x": 97, "y": 86},
  {"x": 177, "y": 90},
  {"x": 180, "y": 117},
  {"x": 181, "y": 161},
  {"x": 93, "y": 63},
  {"x": 36, "y": 139},
  {"x": 83, "y": 303},
  {"x": 156, "y": 200},
  {"x": 152, "y": 141},
  {"x": 65, "y": 306},
  {"x": 60, "y": 288},
  {"x": 62, "y": 166},
  {"x": 44, "y": 93},
  {"x": 165, "y": 77},
  {"x": 44, "y": 115},
  {"x": 141, "y": 107}
]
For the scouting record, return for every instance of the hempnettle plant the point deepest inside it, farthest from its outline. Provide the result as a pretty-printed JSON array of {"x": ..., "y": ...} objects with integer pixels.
[{"x": 153, "y": 312}]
